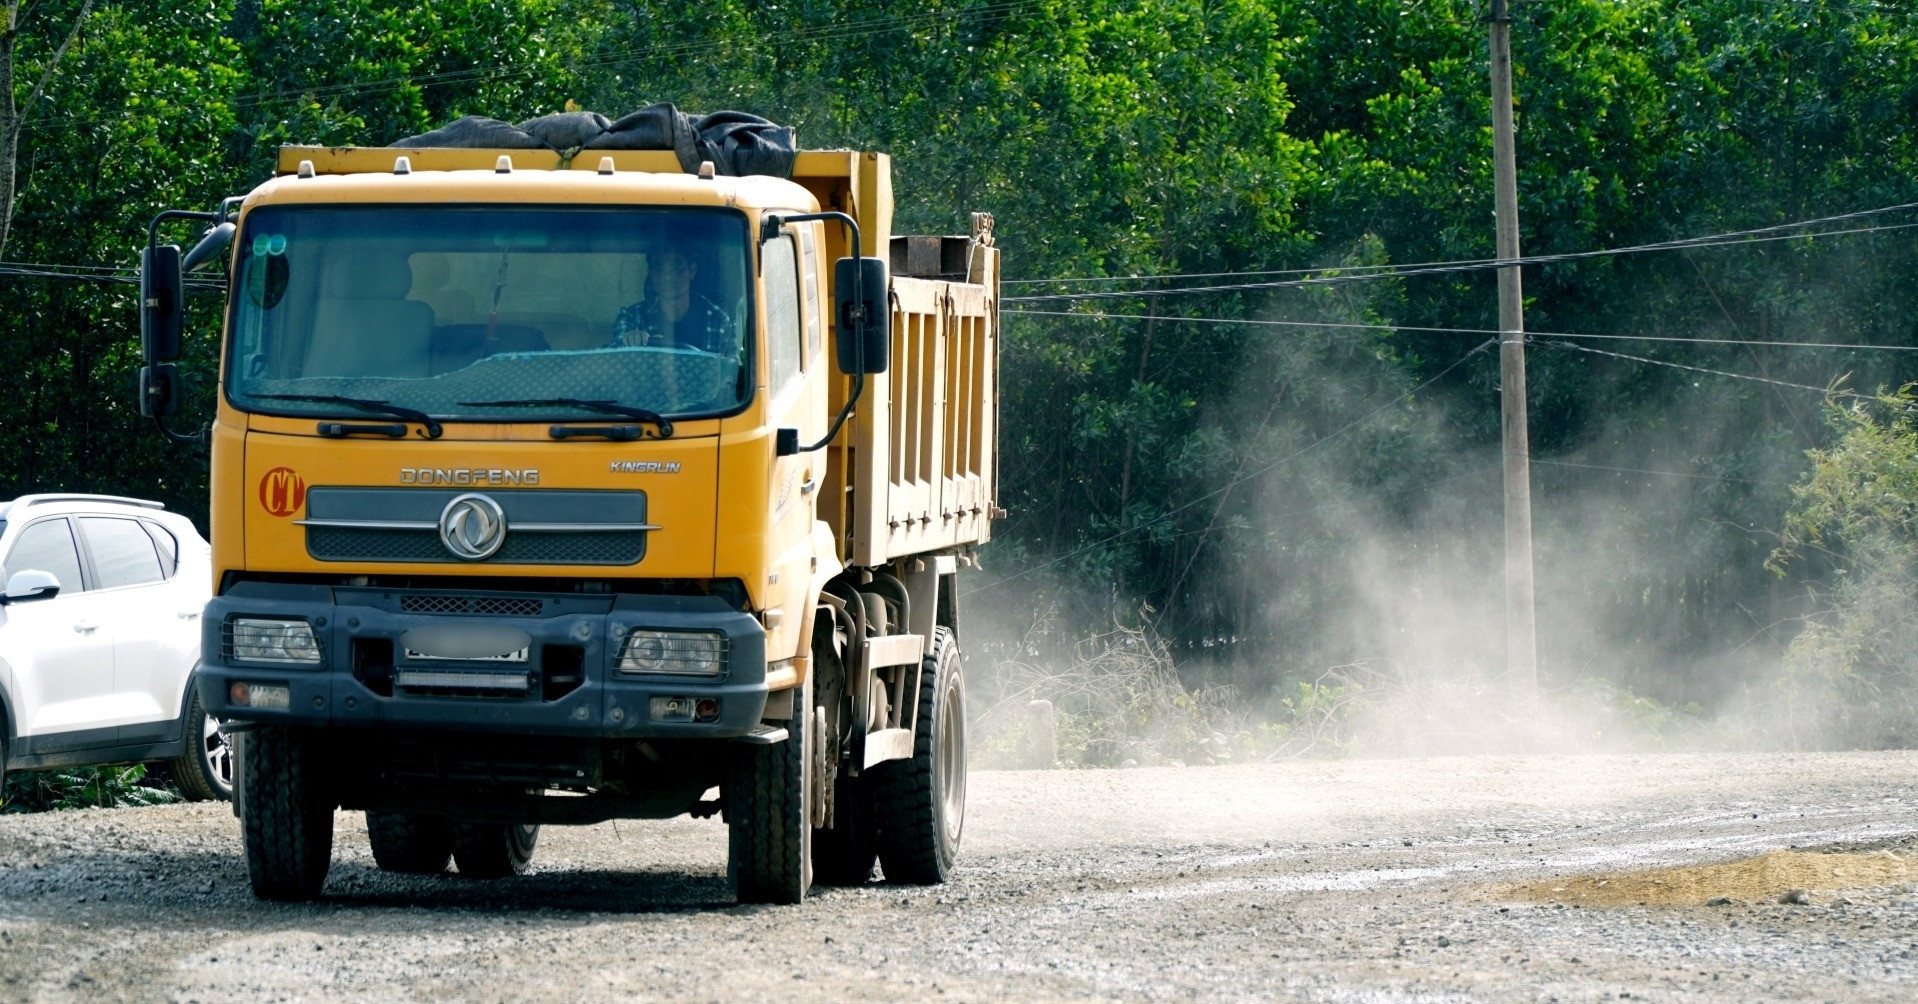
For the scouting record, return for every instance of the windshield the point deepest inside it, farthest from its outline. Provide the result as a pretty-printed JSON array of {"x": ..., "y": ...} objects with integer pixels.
[{"x": 450, "y": 311}]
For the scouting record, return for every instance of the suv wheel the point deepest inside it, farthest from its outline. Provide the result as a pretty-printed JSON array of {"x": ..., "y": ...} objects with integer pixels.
[
  {"x": 493, "y": 850},
  {"x": 205, "y": 773}
]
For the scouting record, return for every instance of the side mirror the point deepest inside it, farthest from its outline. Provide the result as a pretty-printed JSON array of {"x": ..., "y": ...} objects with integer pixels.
[
  {"x": 160, "y": 390},
  {"x": 32, "y": 584},
  {"x": 214, "y": 242},
  {"x": 865, "y": 317},
  {"x": 160, "y": 306}
]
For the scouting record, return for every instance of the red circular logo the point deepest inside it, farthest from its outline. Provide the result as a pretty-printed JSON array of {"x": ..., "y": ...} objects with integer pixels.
[{"x": 282, "y": 491}]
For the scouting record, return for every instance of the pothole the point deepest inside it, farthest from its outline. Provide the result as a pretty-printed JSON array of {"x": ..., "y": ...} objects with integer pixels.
[{"x": 1766, "y": 878}]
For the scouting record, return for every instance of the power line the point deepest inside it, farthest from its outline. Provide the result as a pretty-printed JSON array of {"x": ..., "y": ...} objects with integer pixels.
[
  {"x": 1831, "y": 391},
  {"x": 1388, "y": 326},
  {"x": 1235, "y": 482},
  {"x": 1715, "y": 240},
  {"x": 113, "y": 275},
  {"x": 1471, "y": 263},
  {"x": 1668, "y": 474}
]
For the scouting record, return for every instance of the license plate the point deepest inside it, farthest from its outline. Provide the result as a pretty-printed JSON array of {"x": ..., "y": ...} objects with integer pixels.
[{"x": 466, "y": 643}]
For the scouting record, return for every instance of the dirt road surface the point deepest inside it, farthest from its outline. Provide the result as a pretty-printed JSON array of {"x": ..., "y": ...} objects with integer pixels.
[{"x": 1395, "y": 880}]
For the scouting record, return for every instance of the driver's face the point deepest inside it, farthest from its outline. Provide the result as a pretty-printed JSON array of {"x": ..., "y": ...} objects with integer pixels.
[{"x": 673, "y": 273}]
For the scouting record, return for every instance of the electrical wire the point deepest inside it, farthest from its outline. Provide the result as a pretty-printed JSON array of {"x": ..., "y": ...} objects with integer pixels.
[
  {"x": 1387, "y": 326},
  {"x": 1828, "y": 391},
  {"x": 1716, "y": 240},
  {"x": 1474, "y": 263},
  {"x": 1235, "y": 482},
  {"x": 109, "y": 274},
  {"x": 1668, "y": 474}
]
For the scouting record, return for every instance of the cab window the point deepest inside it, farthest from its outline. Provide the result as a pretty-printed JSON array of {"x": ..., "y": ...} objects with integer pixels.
[{"x": 780, "y": 267}]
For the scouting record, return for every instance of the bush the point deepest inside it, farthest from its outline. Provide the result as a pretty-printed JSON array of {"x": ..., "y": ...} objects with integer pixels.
[
  {"x": 83, "y": 787},
  {"x": 1850, "y": 676}
]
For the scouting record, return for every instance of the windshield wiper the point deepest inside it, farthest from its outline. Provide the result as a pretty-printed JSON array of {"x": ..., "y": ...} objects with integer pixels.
[
  {"x": 433, "y": 428},
  {"x": 603, "y": 407}
]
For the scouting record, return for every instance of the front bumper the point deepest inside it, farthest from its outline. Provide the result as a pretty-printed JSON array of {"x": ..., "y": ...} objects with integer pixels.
[{"x": 573, "y": 686}]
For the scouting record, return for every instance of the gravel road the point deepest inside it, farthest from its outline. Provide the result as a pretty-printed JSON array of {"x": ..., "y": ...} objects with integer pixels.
[{"x": 1430, "y": 880}]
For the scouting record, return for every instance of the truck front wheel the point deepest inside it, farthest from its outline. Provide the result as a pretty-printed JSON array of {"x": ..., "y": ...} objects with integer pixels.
[
  {"x": 769, "y": 815},
  {"x": 920, "y": 803},
  {"x": 410, "y": 844},
  {"x": 286, "y": 815}
]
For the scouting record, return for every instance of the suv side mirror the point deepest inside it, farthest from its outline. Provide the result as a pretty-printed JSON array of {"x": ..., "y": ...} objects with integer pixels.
[
  {"x": 864, "y": 317},
  {"x": 32, "y": 584},
  {"x": 160, "y": 306}
]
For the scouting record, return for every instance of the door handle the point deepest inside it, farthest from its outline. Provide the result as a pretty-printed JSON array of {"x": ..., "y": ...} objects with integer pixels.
[
  {"x": 187, "y": 615},
  {"x": 808, "y": 486},
  {"x": 85, "y": 627}
]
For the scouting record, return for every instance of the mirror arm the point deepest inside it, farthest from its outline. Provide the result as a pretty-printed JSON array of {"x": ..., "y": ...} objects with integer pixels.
[
  {"x": 776, "y": 220},
  {"x": 153, "y": 228},
  {"x": 201, "y": 438}
]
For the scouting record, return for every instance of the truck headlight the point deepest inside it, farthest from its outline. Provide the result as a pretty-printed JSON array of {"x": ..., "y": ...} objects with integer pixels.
[
  {"x": 682, "y": 653},
  {"x": 257, "y": 639}
]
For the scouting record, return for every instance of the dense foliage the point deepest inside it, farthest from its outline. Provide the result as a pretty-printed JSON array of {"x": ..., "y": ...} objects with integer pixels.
[{"x": 1273, "y": 499}]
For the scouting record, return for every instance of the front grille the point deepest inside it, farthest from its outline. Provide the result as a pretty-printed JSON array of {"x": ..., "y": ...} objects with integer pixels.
[
  {"x": 485, "y": 606},
  {"x": 329, "y": 543}
]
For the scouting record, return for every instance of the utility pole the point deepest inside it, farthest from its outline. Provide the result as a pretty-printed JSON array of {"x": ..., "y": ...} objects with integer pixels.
[{"x": 1521, "y": 619}]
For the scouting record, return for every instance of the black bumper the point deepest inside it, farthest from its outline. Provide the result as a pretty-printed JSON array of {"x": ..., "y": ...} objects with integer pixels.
[{"x": 574, "y": 687}]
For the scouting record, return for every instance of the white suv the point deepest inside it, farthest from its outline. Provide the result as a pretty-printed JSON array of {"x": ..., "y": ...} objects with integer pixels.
[{"x": 99, "y": 634}]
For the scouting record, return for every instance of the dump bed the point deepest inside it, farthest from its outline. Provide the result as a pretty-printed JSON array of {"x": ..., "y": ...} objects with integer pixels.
[{"x": 923, "y": 451}]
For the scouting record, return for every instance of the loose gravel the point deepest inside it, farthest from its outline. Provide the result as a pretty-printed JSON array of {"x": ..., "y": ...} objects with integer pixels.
[{"x": 1388, "y": 880}]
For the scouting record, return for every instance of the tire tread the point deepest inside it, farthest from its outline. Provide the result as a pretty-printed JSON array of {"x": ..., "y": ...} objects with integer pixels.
[
  {"x": 907, "y": 817},
  {"x": 287, "y": 824}
]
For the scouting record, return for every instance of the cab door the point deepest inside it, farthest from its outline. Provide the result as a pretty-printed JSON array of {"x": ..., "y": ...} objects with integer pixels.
[
  {"x": 60, "y": 650},
  {"x": 796, "y": 392}
]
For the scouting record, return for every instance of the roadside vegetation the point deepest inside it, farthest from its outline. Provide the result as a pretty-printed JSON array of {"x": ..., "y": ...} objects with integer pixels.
[
  {"x": 1243, "y": 539},
  {"x": 85, "y": 788}
]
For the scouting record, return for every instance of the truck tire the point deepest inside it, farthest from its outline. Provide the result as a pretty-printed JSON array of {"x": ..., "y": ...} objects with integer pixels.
[
  {"x": 205, "y": 772},
  {"x": 287, "y": 821},
  {"x": 769, "y": 815},
  {"x": 410, "y": 844},
  {"x": 920, "y": 803},
  {"x": 493, "y": 850}
]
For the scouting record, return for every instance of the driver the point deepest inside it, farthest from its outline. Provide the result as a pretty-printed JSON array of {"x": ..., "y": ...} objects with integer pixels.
[{"x": 672, "y": 315}]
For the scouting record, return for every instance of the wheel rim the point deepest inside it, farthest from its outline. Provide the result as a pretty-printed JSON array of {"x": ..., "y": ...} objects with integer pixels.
[
  {"x": 952, "y": 765},
  {"x": 216, "y": 749}
]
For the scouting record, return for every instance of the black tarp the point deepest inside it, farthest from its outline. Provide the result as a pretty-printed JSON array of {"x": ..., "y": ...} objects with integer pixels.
[{"x": 736, "y": 143}]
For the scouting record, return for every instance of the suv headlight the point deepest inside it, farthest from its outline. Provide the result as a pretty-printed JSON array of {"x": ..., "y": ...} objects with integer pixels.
[
  {"x": 256, "y": 639},
  {"x": 682, "y": 653}
]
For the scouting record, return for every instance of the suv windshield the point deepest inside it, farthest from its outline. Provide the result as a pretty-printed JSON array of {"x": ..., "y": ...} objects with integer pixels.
[{"x": 443, "y": 310}]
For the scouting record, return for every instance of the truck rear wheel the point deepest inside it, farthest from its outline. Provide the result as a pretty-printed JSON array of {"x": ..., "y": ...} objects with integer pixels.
[
  {"x": 410, "y": 844},
  {"x": 920, "y": 803},
  {"x": 493, "y": 850},
  {"x": 286, "y": 815},
  {"x": 769, "y": 815}
]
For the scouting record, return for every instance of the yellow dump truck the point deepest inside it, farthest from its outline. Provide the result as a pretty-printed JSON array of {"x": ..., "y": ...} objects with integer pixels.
[{"x": 555, "y": 488}]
